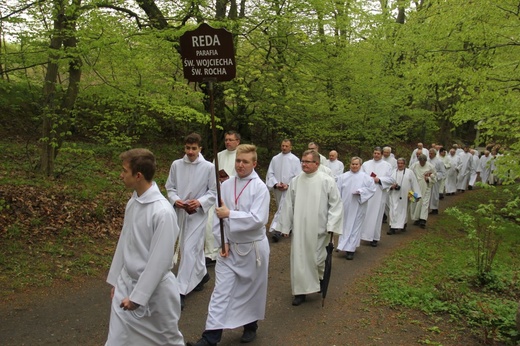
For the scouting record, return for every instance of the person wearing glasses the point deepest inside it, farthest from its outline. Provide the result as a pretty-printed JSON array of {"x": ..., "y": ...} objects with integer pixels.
[{"x": 312, "y": 210}]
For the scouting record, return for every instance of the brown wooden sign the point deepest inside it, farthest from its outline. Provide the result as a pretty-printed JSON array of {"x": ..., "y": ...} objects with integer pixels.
[{"x": 208, "y": 54}]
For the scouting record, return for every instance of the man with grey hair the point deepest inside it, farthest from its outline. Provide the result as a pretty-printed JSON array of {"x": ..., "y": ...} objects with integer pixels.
[
  {"x": 388, "y": 157},
  {"x": 312, "y": 210},
  {"x": 425, "y": 175},
  {"x": 413, "y": 158}
]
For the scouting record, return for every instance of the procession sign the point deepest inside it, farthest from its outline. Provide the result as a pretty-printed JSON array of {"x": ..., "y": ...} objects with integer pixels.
[{"x": 208, "y": 54}]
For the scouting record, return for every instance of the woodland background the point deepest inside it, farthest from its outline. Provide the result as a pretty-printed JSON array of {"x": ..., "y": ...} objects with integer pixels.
[{"x": 347, "y": 74}]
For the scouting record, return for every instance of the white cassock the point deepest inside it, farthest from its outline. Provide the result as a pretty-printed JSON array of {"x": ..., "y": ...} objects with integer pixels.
[
  {"x": 371, "y": 229},
  {"x": 226, "y": 161},
  {"x": 355, "y": 190},
  {"x": 141, "y": 270},
  {"x": 192, "y": 180},
  {"x": 475, "y": 168},
  {"x": 485, "y": 168},
  {"x": 464, "y": 169},
  {"x": 451, "y": 174},
  {"x": 413, "y": 157},
  {"x": 447, "y": 165},
  {"x": 312, "y": 209},
  {"x": 440, "y": 175},
  {"x": 282, "y": 169},
  {"x": 420, "y": 208},
  {"x": 391, "y": 160},
  {"x": 337, "y": 167},
  {"x": 240, "y": 292},
  {"x": 398, "y": 199}
]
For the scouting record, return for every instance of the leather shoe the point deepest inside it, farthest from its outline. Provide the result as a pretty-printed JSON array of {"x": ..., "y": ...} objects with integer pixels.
[
  {"x": 391, "y": 231},
  {"x": 201, "y": 342},
  {"x": 373, "y": 243},
  {"x": 298, "y": 299},
  {"x": 200, "y": 286},
  {"x": 434, "y": 212},
  {"x": 248, "y": 336},
  {"x": 276, "y": 237},
  {"x": 350, "y": 255},
  {"x": 210, "y": 262}
]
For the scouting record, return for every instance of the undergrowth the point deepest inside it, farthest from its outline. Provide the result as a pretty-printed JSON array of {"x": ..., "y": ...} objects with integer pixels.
[{"x": 438, "y": 274}]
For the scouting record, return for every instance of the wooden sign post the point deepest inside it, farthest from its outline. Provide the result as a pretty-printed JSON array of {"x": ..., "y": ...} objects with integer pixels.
[{"x": 208, "y": 56}]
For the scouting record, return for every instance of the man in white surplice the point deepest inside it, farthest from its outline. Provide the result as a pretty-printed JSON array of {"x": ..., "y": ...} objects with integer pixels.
[
  {"x": 226, "y": 165},
  {"x": 475, "y": 168},
  {"x": 413, "y": 157},
  {"x": 464, "y": 169},
  {"x": 240, "y": 293},
  {"x": 440, "y": 175},
  {"x": 451, "y": 174},
  {"x": 381, "y": 173},
  {"x": 405, "y": 182},
  {"x": 283, "y": 167},
  {"x": 355, "y": 188},
  {"x": 191, "y": 187},
  {"x": 485, "y": 166},
  {"x": 425, "y": 175},
  {"x": 312, "y": 210},
  {"x": 336, "y": 166},
  {"x": 145, "y": 298}
]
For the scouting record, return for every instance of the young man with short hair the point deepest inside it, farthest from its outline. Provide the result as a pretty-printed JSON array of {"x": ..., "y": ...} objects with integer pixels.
[{"x": 145, "y": 297}]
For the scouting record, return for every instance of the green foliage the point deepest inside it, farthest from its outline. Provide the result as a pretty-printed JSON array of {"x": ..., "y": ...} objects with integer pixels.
[{"x": 438, "y": 273}]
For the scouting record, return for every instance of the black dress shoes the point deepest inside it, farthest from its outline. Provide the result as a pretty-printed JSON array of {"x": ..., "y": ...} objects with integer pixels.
[
  {"x": 434, "y": 212},
  {"x": 298, "y": 299},
  {"x": 391, "y": 231},
  {"x": 350, "y": 256},
  {"x": 248, "y": 336},
  {"x": 373, "y": 243},
  {"x": 276, "y": 237},
  {"x": 200, "y": 286},
  {"x": 201, "y": 342}
]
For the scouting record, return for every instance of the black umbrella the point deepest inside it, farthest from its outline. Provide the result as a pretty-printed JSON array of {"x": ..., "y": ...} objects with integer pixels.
[{"x": 324, "y": 284}]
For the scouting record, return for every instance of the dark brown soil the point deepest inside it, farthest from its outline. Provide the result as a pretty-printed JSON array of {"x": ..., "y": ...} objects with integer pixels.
[{"x": 77, "y": 313}]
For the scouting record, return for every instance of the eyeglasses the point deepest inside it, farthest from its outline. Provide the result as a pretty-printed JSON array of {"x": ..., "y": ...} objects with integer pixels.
[{"x": 307, "y": 162}]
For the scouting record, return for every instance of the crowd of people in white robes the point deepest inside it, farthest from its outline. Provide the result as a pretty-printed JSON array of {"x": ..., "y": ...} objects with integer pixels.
[{"x": 315, "y": 199}]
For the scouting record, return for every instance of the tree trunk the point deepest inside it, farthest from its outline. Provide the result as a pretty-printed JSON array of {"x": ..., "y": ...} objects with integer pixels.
[{"x": 56, "y": 111}]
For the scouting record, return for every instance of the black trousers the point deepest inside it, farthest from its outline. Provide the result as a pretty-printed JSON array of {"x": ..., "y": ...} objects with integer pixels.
[{"x": 214, "y": 336}]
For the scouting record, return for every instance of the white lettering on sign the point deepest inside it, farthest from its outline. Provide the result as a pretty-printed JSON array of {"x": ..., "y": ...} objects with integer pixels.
[
  {"x": 215, "y": 71},
  {"x": 205, "y": 41},
  {"x": 206, "y": 52},
  {"x": 196, "y": 72},
  {"x": 214, "y": 62},
  {"x": 188, "y": 63}
]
